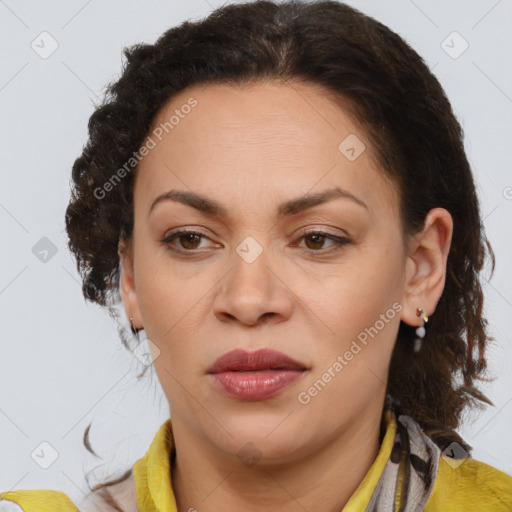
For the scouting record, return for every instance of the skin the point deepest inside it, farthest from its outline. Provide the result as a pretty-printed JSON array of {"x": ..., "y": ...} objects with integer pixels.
[{"x": 251, "y": 149}]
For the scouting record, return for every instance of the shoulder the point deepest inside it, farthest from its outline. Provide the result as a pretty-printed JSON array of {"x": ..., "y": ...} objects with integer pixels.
[
  {"x": 56, "y": 501},
  {"x": 35, "y": 501},
  {"x": 470, "y": 485},
  {"x": 123, "y": 494}
]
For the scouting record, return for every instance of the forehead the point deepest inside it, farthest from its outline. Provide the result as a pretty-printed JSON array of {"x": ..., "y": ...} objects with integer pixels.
[{"x": 262, "y": 138}]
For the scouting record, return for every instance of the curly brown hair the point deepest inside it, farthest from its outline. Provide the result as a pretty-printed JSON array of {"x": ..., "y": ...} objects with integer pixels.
[{"x": 415, "y": 137}]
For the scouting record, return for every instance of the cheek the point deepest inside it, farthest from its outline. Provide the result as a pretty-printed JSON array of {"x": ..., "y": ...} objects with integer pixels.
[
  {"x": 351, "y": 365},
  {"x": 351, "y": 296},
  {"x": 174, "y": 303},
  {"x": 359, "y": 305},
  {"x": 167, "y": 288}
]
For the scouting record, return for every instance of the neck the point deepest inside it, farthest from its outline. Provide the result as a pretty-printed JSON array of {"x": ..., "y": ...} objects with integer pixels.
[{"x": 323, "y": 481}]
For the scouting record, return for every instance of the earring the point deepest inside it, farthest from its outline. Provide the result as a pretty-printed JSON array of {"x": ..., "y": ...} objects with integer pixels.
[
  {"x": 420, "y": 331},
  {"x": 134, "y": 329}
]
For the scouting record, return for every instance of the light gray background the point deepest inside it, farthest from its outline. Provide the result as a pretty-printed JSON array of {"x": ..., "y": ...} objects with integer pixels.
[{"x": 62, "y": 364}]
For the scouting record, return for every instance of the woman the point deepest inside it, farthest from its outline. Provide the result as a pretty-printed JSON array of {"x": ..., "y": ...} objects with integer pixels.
[{"x": 280, "y": 195}]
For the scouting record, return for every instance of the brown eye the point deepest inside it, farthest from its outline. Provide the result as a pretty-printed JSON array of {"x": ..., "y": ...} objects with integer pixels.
[
  {"x": 317, "y": 241},
  {"x": 189, "y": 239},
  {"x": 318, "y": 238}
]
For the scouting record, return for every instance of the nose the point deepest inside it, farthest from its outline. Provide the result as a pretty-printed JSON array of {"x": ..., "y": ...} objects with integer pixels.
[{"x": 253, "y": 293}]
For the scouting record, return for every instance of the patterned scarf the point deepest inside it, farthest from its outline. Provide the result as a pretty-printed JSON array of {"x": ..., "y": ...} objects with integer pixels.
[{"x": 410, "y": 472}]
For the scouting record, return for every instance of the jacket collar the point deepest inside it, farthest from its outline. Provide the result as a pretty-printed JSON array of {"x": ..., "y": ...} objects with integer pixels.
[{"x": 153, "y": 478}]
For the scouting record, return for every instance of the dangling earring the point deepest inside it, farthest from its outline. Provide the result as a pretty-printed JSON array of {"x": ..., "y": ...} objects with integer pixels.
[
  {"x": 133, "y": 328},
  {"x": 420, "y": 331}
]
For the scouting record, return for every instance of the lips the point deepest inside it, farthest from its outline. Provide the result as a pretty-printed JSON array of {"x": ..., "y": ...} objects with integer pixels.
[
  {"x": 263, "y": 359},
  {"x": 255, "y": 375}
]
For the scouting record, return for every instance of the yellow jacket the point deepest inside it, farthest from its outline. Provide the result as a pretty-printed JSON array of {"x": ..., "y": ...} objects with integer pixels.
[{"x": 471, "y": 486}]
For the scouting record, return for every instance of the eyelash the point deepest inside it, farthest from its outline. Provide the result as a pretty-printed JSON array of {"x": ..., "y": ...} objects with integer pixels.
[{"x": 340, "y": 241}]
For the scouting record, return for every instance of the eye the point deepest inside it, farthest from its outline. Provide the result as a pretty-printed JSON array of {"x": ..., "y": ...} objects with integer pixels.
[
  {"x": 318, "y": 238},
  {"x": 188, "y": 240}
]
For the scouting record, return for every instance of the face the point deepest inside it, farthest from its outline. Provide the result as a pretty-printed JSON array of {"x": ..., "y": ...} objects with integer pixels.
[{"x": 259, "y": 267}]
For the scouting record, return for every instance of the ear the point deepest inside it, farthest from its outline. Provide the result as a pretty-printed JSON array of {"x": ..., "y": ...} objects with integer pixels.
[
  {"x": 127, "y": 284},
  {"x": 426, "y": 266}
]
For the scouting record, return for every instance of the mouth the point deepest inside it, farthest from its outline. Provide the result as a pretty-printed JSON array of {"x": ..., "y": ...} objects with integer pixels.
[
  {"x": 254, "y": 376},
  {"x": 260, "y": 360}
]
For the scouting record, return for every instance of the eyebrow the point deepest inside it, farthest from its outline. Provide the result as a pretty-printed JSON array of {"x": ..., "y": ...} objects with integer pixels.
[{"x": 290, "y": 207}]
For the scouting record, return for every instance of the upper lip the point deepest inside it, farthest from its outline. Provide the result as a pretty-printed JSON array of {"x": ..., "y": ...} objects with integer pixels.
[{"x": 263, "y": 359}]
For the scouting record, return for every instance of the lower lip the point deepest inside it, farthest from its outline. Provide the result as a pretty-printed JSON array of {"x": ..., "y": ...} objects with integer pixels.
[{"x": 256, "y": 385}]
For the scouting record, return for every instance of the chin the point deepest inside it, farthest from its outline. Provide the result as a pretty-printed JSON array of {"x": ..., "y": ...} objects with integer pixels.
[{"x": 272, "y": 435}]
